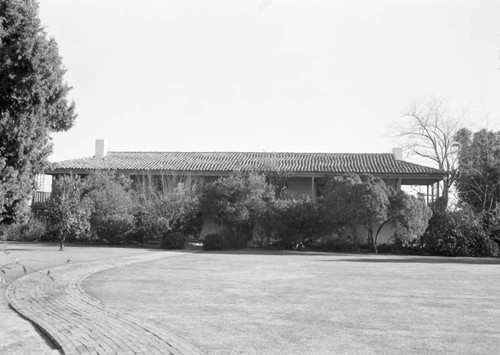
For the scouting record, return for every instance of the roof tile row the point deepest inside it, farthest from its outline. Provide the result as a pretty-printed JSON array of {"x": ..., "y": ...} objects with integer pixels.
[{"x": 247, "y": 161}]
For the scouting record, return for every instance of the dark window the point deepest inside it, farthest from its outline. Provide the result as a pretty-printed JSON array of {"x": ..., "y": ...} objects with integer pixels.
[{"x": 320, "y": 190}]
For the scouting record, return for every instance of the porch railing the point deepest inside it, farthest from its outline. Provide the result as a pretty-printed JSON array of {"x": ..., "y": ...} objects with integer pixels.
[{"x": 40, "y": 197}]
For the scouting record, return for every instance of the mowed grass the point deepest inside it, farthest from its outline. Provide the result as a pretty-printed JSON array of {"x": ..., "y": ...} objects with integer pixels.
[
  {"x": 17, "y": 335},
  {"x": 268, "y": 303}
]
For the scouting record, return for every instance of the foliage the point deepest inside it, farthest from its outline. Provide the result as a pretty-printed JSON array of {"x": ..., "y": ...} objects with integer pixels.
[
  {"x": 167, "y": 203},
  {"x": 373, "y": 208},
  {"x": 410, "y": 215},
  {"x": 279, "y": 181},
  {"x": 457, "y": 233},
  {"x": 112, "y": 218},
  {"x": 493, "y": 225},
  {"x": 69, "y": 208},
  {"x": 33, "y": 104},
  {"x": 296, "y": 222},
  {"x": 238, "y": 202},
  {"x": 336, "y": 243},
  {"x": 173, "y": 240},
  {"x": 214, "y": 241},
  {"x": 339, "y": 202},
  {"x": 427, "y": 132},
  {"x": 478, "y": 178},
  {"x": 365, "y": 200},
  {"x": 31, "y": 231},
  {"x": 352, "y": 200}
]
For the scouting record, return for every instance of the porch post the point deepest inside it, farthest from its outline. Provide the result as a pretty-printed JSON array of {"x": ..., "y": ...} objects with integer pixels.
[
  {"x": 313, "y": 195},
  {"x": 398, "y": 184}
]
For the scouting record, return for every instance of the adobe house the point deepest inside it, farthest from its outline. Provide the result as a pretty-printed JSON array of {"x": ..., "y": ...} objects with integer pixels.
[{"x": 306, "y": 172}]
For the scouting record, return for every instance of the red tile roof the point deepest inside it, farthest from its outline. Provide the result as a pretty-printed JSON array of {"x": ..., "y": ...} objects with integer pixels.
[{"x": 220, "y": 162}]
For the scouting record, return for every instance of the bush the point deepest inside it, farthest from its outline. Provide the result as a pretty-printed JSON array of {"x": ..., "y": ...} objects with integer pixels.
[
  {"x": 214, "y": 242},
  {"x": 238, "y": 203},
  {"x": 337, "y": 244},
  {"x": 457, "y": 233},
  {"x": 31, "y": 231},
  {"x": 224, "y": 240},
  {"x": 114, "y": 229},
  {"x": 167, "y": 203},
  {"x": 190, "y": 225},
  {"x": 111, "y": 220},
  {"x": 173, "y": 240},
  {"x": 296, "y": 222}
]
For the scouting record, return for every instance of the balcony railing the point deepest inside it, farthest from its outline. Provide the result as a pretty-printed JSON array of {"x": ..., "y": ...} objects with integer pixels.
[{"x": 40, "y": 197}]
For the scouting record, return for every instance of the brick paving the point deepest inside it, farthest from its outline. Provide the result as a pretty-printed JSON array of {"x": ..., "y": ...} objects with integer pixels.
[{"x": 80, "y": 324}]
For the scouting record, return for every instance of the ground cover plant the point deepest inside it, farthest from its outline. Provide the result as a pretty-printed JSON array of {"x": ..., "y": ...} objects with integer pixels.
[{"x": 301, "y": 303}]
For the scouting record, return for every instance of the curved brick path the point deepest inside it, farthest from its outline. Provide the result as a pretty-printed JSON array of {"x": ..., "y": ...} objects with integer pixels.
[{"x": 80, "y": 324}]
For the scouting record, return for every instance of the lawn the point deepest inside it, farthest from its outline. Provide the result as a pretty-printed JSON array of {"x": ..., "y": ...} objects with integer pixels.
[
  {"x": 293, "y": 303},
  {"x": 18, "y": 336}
]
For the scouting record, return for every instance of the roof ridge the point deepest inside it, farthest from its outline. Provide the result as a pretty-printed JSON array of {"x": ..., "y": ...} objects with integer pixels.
[{"x": 245, "y": 152}]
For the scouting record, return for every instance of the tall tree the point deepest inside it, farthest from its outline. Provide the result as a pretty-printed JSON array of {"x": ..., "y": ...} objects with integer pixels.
[
  {"x": 478, "y": 177},
  {"x": 427, "y": 132},
  {"x": 33, "y": 103}
]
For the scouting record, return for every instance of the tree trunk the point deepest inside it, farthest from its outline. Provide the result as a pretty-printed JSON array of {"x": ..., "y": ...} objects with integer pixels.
[
  {"x": 61, "y": 243},
  {"x": 375, "y": 244},
  {"x": 371, "y": 239}
]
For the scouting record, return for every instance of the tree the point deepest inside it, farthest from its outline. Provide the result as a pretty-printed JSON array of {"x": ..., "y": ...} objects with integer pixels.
[
  {"x": 166, "y": 203},
  {"x": 372, "y": 206},
  {"x": 366, "y": 201},
  {"x": 410, "y": 215},
  {"x": 112, "y": 217},
  {"x": 296, "y": 221},
  {"x": 69, "y": 208},
  {"x": 458, "y": 233},
  {"x": 428, "y": 132},
  {"x": 338, "y": 205},
  {"x": 33, "y": 102},
  {"x": 238, "y": 202},
  {"x": 478, "y": 177}
]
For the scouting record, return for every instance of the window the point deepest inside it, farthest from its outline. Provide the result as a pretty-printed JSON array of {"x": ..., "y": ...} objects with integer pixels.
[{"x": 320, "y": 189}]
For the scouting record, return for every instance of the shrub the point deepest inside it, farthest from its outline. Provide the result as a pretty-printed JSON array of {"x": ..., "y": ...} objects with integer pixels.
[
  {"x": 114, "y": 229},
  {"x": 111, "y": 220},
  {"x": 234, "y": 241},
  {"x": 214, "y": 242},
  {"x": 31, "y": 231},
  {"x": 238, "y": 203},
  {"x": 167, "y": 204},
  {"x": 337, "y": 244},
  {"x": 457, "y": 233},
  {"x": 296, "y": 222},
  {"x": 173, "y": 240}
]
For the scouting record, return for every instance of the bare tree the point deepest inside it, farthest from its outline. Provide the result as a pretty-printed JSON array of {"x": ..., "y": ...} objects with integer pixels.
[{"x": 427, "y": 131}]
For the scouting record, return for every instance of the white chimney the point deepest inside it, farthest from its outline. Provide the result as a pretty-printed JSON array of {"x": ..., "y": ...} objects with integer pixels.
[
  {"x": 398, "y": 153},
  {"x": 100, "y": 148}
]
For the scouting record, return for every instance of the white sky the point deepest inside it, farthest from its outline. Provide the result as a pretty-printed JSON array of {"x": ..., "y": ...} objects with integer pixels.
[{"x": 267, "y": 75}]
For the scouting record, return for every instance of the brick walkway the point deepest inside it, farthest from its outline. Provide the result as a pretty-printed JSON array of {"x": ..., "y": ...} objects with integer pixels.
[{"x": 80, "y": 324}]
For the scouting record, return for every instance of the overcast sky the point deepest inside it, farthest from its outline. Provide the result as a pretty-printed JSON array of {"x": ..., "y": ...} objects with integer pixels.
[{"x": 267, "y": 75}]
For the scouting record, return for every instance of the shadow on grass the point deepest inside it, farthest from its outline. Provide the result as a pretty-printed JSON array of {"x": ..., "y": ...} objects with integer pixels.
[
  {"x": 46, "y": 246},
  {"x": 257, "y": 251},
  {"x": 422, "y": 260}
]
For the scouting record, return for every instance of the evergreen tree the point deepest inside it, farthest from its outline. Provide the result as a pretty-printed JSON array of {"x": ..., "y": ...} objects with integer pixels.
[
  {"x": 33, "y": 103},
  {"x": 478, "y": 178}
]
